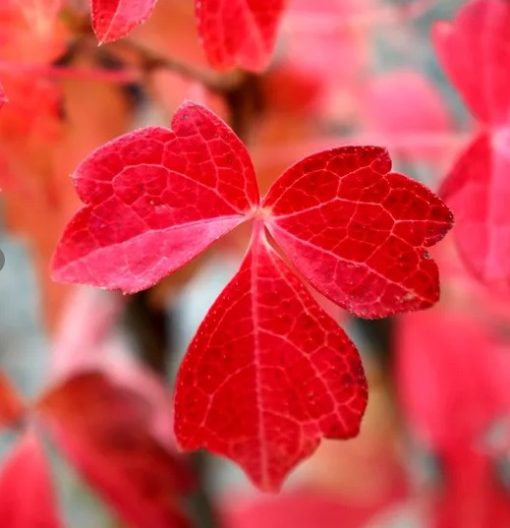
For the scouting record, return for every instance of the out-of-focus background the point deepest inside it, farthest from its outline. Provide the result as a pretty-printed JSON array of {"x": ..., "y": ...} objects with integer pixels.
[{"x": 433, "y": 446}]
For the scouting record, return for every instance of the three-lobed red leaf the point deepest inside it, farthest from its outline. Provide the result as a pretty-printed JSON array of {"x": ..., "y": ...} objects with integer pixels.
[
  {"x": 26, "y": 491},
  {"x": 269, "y": 373},
  {"x": 239, "y": 32}
]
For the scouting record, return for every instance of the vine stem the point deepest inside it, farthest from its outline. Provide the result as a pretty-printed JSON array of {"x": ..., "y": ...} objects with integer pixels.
[
  {"x": 151, "y": 60},
  {"x": 124, "y": 76}
]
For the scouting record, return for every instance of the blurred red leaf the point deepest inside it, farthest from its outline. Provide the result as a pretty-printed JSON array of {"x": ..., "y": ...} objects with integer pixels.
[
  {"x": 104, "y": 428},
  {"x": 239, "y": 32},
  {"x": 12, "y": 408},
  {"x": 472, "y": 496},
  {"x": 268, "y": 374},
  {"x": 300, "y": 509},
  {"x": 291, "y": 90},
  {"x": 475, "y": 54},
  {"x": 156, "y": 198},
  {"x": 478, "y": 192},
  {"x": 26, "y": 490},
  {"x": 114, "y": 19},
  {"x": 321, "y": 213},
  {"x": 312, "y": 29},
  {"x": 453, "y": 377},
  {"x": 477, "y": 188},
  {"x": 453, "y": 374},
  {"x": 89, "y": 348},
  {"x": 405, "y": 104}
]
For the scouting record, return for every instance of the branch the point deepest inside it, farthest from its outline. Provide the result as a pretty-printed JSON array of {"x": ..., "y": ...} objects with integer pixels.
[
  {"x": 124, "y": 76},
  {"x": 151, "y": 60}
]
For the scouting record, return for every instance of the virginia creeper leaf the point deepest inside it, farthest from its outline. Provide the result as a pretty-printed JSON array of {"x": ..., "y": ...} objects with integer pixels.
[
  {"x": 26, "y": 490},
  {"x": 114, "y": 19},
  {"x": 239, "y": 32},
  {"x": 155, "y": 198},
  {"x": 358, "y": 232},
  {"x": 268, "y": 374},
  {"x": 478, "y": 192},
  {"x": 475, "y": 54},
  {"x": 102, "y": 427}
]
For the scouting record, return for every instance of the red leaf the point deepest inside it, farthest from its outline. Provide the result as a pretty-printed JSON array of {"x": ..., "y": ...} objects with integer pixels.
[
  {"x": 155, "y": 198},
  {"x": 478, "y": 192},
  {"x": 114, "y": 19},
  {"x": 104, "y": 429},
  {"x": 26, "y": 491},
  {"x": 201, "y": 178},
  {"x": 452, "y": 388},
  {"x": 303, "y": 508},
  {"x": 405, "y": 107},
  {"x": 358, "y": 232},
  {"x": 475, "y": 54},
  {"x": 453, "y": 375},
  {"x": 239, "y": 32},
  {"x": 268, "y": 374}
]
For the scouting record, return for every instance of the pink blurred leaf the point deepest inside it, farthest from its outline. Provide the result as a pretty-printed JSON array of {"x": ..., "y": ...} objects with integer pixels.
[
  {"x": 300, "y": 509},
  {"x": 26, "y": 490},
  {"x": 104, "y": 428},
  {"x": 453, "y": 377},
  {"x": 405, "y": 104},
  {"x": 84, "y": 339},
  {"x": 478, "y": 191},
  {"x": 475, "y": 53}
]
